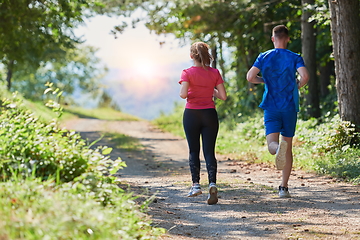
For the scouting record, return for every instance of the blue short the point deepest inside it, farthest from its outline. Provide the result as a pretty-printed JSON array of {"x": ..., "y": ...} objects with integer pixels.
[{"x": 280, "y": 122}]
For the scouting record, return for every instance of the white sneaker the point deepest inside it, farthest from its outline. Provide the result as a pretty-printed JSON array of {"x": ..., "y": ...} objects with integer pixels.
[
  {"x": 195, "y": 190},
  {"x": 212, "y": 198},
  {"x": 284, "y": 192},
  {"x": 280, "y": 159}
]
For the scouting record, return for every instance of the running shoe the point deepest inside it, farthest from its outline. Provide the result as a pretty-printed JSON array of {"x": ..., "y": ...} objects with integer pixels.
[
  {"x": 212, "y": 198},
  {"x": 284, "y": 192},
  {"x": 195, "y": 190},
  {"x": 280, "y": 159}
]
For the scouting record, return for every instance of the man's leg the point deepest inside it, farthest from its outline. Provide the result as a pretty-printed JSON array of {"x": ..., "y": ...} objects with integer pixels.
[
  {"x": 272, "y": 142},
  {"x": 289, "y": 161}
]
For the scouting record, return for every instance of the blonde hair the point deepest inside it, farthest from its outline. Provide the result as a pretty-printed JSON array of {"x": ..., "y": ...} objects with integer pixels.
[{"x": 200, "y": 52}]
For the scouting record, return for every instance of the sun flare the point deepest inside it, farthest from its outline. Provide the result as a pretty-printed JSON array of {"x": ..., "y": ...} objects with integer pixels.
[{"x": 144, "y": 68}]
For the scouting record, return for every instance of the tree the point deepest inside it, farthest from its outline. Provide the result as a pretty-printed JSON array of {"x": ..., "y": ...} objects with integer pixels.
[
  {"x": 308, "y": 34},
  {"x": 37, "y": 31},
  {"x": 345, "y": 30},
  {"x": 32, "y": 31},
  {"x": 242, "y": 26},
  {"x": 79, "y": 70}
]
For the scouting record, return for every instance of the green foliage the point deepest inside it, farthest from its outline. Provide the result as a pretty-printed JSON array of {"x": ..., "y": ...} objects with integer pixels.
[
  {"x": 243, "y": 139},
  {"x": 332, "y": 134},
  {"x": 33, "y": 209},
  {"x": 44, "y": 27},
  {"x": 29, "y": 146},
  {"x": 172, "y": 122},
  {"x": 53, "y": 186},
  {"x": 333, "y": 146},
  {"x": 105, "y": 113},
  {"x": 123, "y": 142},
  {"x": 327, "y": 146},
  {"x": 341, "y": 164},
  {"x": 345, "y": 136},
  {"x": 78, "y": 69}
]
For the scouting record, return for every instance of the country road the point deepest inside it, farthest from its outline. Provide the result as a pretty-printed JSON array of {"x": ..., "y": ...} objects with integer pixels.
[{"x": 248, "y": 208}]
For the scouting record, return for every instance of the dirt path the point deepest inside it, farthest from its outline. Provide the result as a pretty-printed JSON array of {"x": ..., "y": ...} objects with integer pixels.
[{"x": 248, "y": 208}]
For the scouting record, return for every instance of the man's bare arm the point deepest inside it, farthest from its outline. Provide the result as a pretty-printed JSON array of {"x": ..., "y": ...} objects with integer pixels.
[
  {"x": 304, "y": 76},
  {"x": 252, "y": 75}
]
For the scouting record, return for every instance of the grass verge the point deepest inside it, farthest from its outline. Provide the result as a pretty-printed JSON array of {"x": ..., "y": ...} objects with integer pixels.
[
  {"x": 100, "y": 113},
  {"x": 34, "y": 209}
]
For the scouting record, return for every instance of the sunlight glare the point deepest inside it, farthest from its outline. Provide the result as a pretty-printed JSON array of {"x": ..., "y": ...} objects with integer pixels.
[{"x": 144, "y": 68}]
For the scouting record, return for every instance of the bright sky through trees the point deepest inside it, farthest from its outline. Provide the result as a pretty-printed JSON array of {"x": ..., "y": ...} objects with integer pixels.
[
  {"x": 138, "y": 65},
  {"x": 132, "y": 46}
]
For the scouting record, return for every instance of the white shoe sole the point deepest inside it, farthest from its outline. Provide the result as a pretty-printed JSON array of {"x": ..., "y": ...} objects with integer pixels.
[
  {"x": 284, "y": 195},
  {"x": 280, "y": 159},
  {"x": 195, "y": 194},
  {"x": 212, "y": 199}
]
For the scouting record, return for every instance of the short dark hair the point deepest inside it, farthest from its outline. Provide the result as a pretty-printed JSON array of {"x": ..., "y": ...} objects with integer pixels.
[{"x": 280, "y": 31}]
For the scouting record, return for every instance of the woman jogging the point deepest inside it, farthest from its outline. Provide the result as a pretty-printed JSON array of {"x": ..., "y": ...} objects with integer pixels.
[{"x": 199, "y": 85}]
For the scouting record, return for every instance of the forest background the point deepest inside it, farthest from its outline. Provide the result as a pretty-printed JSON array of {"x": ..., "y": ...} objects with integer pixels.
[
  {"x": 38, "y": 46},
  {"x": 40, "y": 52}
]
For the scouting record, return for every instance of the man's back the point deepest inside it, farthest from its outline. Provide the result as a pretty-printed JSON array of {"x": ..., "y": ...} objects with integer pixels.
[{"x": 278, "y": 67}]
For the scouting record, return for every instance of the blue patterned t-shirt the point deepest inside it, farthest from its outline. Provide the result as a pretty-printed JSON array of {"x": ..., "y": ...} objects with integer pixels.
[{"x": 278, "y": 68}]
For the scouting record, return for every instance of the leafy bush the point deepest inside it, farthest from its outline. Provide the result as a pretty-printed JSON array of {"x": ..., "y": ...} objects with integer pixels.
[
  {"x": 329, "y": 135},
  {"x": 29, "y": 146},
  {"x": 55, "y": 187},
  {"x": 341, "y": 164},
  {"x": 334, "y": 145},
  {"x": 33, "y": 209}
]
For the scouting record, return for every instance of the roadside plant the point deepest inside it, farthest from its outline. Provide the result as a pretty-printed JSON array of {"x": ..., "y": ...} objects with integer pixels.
[
  {"x": 29, "y": 146},
  {"x": 53, "y": 185}
]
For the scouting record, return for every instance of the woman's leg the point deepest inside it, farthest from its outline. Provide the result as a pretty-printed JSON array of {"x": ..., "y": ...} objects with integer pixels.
[
  {"x": 209, "y": 134},
  {"x": 192, "y": 128}
]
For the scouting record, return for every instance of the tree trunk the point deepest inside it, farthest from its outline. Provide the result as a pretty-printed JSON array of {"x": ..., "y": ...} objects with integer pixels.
[
  {"x": 221, "y": 60},
  {"x": 308, "y": 42},
  {"x": 214, "y": 55},
  {"x": 326, "y": 72},
  {"x": 345, "y": 30},
  {"x": 9, "y": 74}
]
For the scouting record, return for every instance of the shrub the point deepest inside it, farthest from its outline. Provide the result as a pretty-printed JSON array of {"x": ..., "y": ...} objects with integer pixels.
[
  {"x": 33, "y": 209},
  {"x": 55, "y": 187},
  {"x": 334, "y": 145},
  {"x": 29, "y": 146},
  {"x": 343, "y": 164}
]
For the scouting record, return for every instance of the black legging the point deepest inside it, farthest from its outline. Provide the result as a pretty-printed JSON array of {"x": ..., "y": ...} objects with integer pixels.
[{"x": 202, "y": 122}]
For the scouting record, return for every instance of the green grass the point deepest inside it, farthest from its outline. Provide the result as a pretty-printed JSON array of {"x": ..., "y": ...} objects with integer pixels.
[
  {"x": 172, "y": 123},
  {"x": 100, "y": 113},
  {"x": 45, "y": 113},
  {"x": 33, "y": 209},
  {"x": 124, "y": 142},
  {"x": 330, "y": 147}
]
